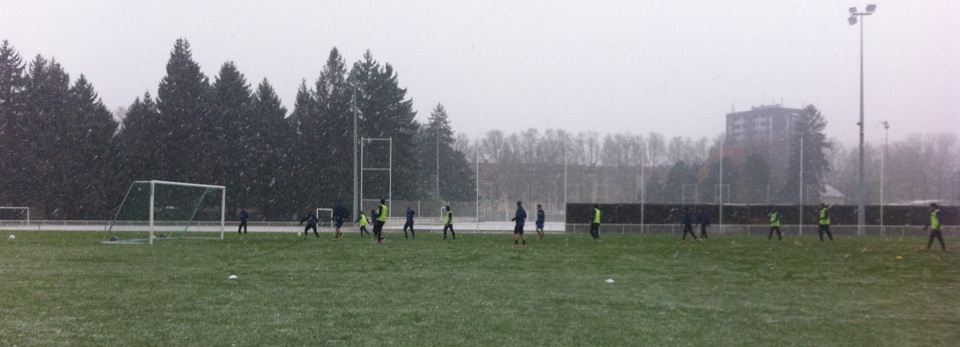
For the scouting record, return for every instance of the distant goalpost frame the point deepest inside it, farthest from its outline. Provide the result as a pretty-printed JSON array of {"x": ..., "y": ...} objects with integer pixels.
[
  {"x": 152, "y": 208},
  {"x": 27, "y": 209}
]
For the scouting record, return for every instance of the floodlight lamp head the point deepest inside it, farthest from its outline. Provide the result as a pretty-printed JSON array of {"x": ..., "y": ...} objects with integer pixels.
[
  {"x": 853, "y": 10},
  {"x": 852, "y": 20},
  {"x": 871, "y": 8}
]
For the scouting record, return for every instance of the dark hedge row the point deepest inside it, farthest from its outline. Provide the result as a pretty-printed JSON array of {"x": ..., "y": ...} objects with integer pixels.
[{"x": 756, "y": 214}]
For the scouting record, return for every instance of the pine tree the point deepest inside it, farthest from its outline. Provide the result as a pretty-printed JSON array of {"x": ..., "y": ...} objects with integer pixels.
[
  {"x": 808, "y": 129},
  {"x": 90, "y": 130},
  {"x": 302, "y": 165},
  {"x": 233, "y": 129},
  {"x": 139, "y": 140},
  {"x": 271, "y": 141},
  {"x": 183, "y": 99},
  {"x": 455, "y": 171},
  {"x": 333, "y": 97},
  {"x": 385, "y": 112},
  {"x": 14, "y": 157}
]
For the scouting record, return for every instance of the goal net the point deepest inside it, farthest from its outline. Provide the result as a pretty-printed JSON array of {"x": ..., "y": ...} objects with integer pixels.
[{"x": 160, "y": 210}]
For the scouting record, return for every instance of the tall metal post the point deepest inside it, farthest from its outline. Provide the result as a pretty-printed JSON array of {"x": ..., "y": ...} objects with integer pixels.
[
  {"x": 861, "y": 204},
  {"x": 861, "y": 193},
  {"x": 883, "y": 158},
  {"x": 721, "y": 181},
  {"x": 356, "y": 192},
  {"x": 800, "y": 232}
]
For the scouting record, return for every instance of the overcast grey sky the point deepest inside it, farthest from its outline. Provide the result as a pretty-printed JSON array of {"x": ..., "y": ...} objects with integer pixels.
[{"x": 675, "y": 67}]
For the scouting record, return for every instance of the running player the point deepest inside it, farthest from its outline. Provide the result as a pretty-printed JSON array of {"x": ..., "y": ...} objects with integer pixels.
[
  {"x": 539, "y": 223},
  {"x": 448, "y": 224},
  {"x": 311, "y": 224}
]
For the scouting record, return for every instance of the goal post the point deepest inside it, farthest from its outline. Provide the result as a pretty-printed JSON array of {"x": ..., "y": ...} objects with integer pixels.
[
  {"x": 324, "y": 215},
  {"x": 154, "y": 210},
  {"x": 15, "y": 213}
]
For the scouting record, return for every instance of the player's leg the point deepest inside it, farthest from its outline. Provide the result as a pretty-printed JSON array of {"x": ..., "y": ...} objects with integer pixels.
[
  {"x": 940, "y": 237},
  {"x": 779, "y": 237},
  {"x": 827, "y": 229},
  {"x": 453, "y": 233},
  {"x": 703, "y": 230},
  {"x": 240, "y": 228},
  {"x": 413, "y": 235},
  {"x": 445, "y": 227},
  {"x": 515, "y": 237},
  {"x": 244, "y": 227},
  {"x": 770, "y": 236},
  {"x": 315, "y": 232},
  {"x": 820, "y": 232},
  {"x": 523, "y": 239}
]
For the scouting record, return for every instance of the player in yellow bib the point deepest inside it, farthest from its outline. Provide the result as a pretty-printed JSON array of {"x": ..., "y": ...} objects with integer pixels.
[
  {"x": 935, "y": 226},
  {"x": 448, "y": 224}
]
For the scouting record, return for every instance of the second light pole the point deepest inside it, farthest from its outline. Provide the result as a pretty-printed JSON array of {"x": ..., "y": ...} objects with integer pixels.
[{"x": 861, "y": 208}]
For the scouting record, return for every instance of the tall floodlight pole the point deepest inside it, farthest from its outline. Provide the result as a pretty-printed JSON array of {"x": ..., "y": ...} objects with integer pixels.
[
  {"x": 800, "y": 230},
  {"x": 356, "y": 205},
  {"x": 861, "y": 209},
  {"x": 438, "y": 160},
  {"x": 883, "y": 157},
  {"x": 721, "y": 181},
  {"x": 478, "y": 187}
]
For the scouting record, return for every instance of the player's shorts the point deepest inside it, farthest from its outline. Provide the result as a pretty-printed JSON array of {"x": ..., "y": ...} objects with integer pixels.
[
  {"x": 539, "y": 225},
  {"x": 338, "y": 223},
  {"x": 518, "y": 229}
]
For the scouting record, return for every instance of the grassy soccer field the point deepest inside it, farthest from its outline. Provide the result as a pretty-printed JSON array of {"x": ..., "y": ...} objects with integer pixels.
[{"x": 65, "y": 288}]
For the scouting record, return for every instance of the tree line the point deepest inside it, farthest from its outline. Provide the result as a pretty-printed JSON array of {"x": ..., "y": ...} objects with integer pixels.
[{"x": 65, "y": 155}]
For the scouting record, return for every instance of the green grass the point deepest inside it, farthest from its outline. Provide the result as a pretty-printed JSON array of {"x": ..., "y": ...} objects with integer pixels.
[{"x": 65, "y": 288}]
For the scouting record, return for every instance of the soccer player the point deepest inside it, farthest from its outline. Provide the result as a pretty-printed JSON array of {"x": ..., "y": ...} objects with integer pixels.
[
  {"x": 688, "y": 224},
  {"x": 362, "y": 222},
  {"x": 704, "y": 220},
  {"x": 595, "y": 223},
  {"x": 340, "y": 214},
  {"x": 540, "y": 218},
  {"x": 409, "y": 224},
  {"x": 311, "y": 224},
  {"x": 935, "y": 227},
  {"x": 824, "y": 222},
  {"x": 519, "y": 217},
  {"x": 380, "y": 221},
  {"x": 243, "y": 221},
  {"x": 448, "y": 224},
  {"x": 774, "y": 225}
]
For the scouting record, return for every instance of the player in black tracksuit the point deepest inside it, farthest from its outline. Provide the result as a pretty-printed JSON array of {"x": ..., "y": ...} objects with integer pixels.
[
  {"x": 688, "y": 225},
  {"x": 520, "y": 217},
  {"x": 311, "y": 224},
  {"x": 409, "y": 224},
  {"x": 340, "y": 214},
  {"x": 243, "y": 221}
]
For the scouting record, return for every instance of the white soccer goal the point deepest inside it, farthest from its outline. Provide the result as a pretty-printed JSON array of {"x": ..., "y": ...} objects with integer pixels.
[
  {"x": 157, "y": 210},
  {"x": 324, "y": 215},
  {"x": 12, "y": 213}
]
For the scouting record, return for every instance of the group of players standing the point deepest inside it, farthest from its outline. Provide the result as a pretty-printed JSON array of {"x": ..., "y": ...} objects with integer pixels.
[
  {"x": 379, "y": 218},
  {"x": 823, "y": 224}
]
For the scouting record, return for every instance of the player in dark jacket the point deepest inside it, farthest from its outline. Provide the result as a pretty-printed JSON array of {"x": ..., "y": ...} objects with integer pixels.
[
  {"x": 243, "y": 221},
  {"x": 704, "y": 220},
  {"x": 519, "y": 217},
  {"x": 340, "y": 214},
  {"x": 540, "y": 220},
  {"x": 311, "y": 224},
  {"x": 409, "y": 224},
  {"x": 688, "y": 224}
]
